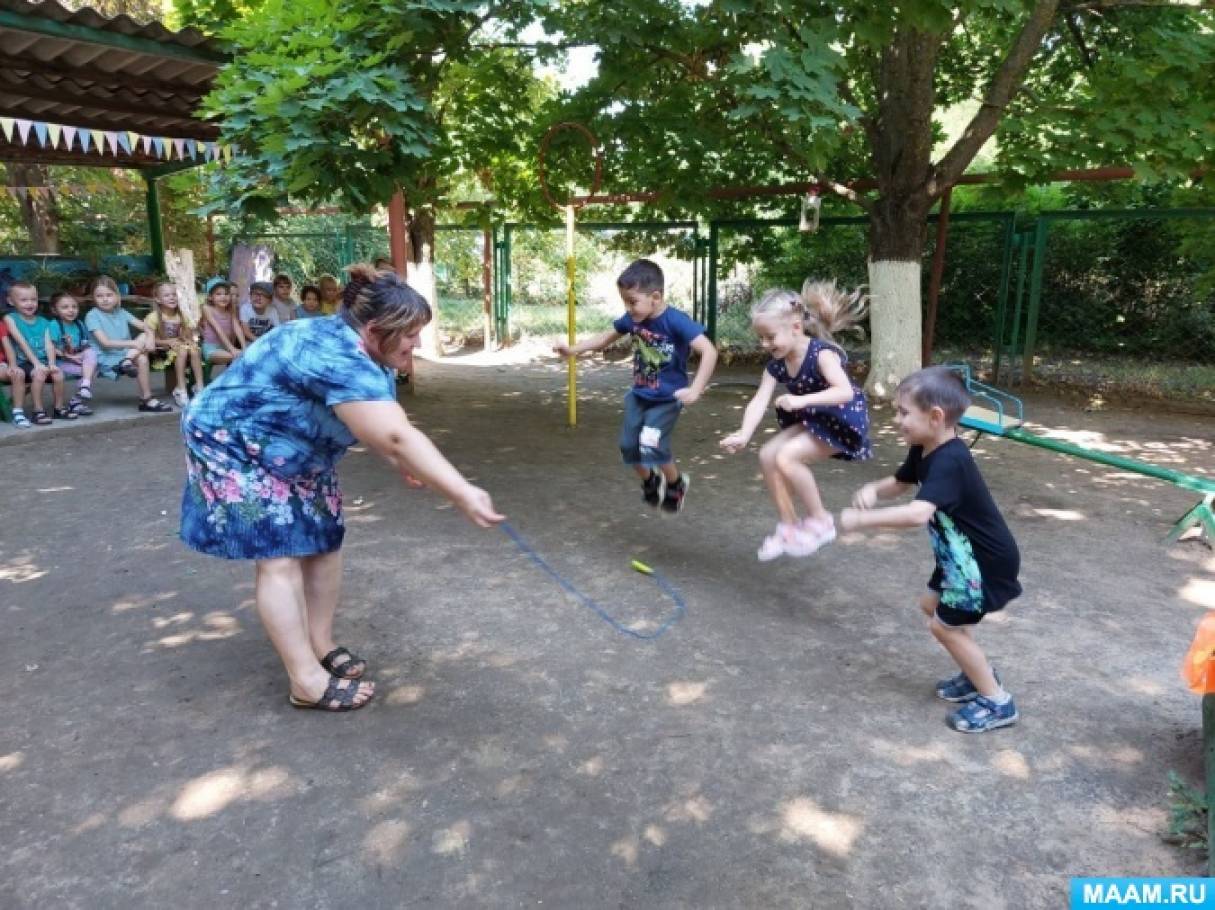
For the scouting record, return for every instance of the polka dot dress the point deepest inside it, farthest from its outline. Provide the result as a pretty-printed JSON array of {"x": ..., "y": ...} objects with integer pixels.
[{"x": 843, "y": 427}]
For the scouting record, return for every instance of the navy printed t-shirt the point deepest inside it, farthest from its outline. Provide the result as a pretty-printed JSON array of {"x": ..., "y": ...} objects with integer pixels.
[
  {"x": 977, "y": 558},
  {"x": 660, "y": 352}
]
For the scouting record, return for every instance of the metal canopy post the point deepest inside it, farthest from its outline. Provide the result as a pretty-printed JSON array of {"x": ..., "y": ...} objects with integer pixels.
[{"x": 156, "y": 237}]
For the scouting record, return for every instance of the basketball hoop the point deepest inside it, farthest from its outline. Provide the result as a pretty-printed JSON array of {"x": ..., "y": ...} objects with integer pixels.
[{"x": 596, "y": 152}]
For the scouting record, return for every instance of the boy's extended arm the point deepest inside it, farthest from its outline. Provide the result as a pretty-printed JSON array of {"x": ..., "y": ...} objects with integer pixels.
[
  {"x": 752, "y": 415},
  {"x": 596, "y": 343},
  {"x": 48, "y": 346},
  {"x": 704, "y": 372},
  {"x": 914, "y": 514}
]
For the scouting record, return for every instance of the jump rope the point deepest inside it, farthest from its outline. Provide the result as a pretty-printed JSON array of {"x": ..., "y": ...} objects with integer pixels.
[{"x": 665, "y": 586}]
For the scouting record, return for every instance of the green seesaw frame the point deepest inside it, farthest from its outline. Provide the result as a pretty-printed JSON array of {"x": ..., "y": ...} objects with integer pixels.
[{"x": 998, "y": 413}]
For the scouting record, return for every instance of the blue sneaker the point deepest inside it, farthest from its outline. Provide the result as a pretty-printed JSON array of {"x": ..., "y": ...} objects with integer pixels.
[
  {"x": 982, "y": 714},
  {"x": 959, "y": 688}
]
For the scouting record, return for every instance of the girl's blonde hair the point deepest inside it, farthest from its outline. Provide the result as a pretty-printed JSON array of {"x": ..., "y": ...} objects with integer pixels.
[
  {"x": 824, "y": 309},
  {"x": 164, "y": 282},
  {"x": 104, "y": 281}
]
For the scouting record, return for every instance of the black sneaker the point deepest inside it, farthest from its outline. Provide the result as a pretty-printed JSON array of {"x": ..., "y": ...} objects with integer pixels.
[
  {"x": 652, "y": 489},
  {"x": 676, "y": 495}
]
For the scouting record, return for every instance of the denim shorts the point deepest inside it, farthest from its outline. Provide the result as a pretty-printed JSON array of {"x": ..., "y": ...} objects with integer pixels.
[{"x": 645, "y": 434}]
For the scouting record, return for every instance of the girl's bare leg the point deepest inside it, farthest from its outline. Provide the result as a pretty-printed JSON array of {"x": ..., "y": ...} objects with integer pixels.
[
  {"x": 793, "y": 461},
  {"x": 768, "y": 464}
]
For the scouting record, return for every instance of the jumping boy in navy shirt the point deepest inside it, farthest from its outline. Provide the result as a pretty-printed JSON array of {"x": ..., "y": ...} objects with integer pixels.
[
  {"x": 662, "y": 340},
  {"x": 976, "y": 557}
]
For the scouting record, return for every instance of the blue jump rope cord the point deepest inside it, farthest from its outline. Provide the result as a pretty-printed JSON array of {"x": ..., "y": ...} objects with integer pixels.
[{"x": 603, "y": 614}]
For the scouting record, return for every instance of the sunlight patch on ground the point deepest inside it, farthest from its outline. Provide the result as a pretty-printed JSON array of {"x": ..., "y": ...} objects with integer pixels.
[
  {"x": 686, "y": 693},
  {"x": 655, "y": 835},
  {"x": 695, "y": 809},
  {"x": 832, "y": 832},
  {"x": 21, "y": 570},
  {"x": 904, "y": 755},
  {"x": 385, "y": 840},
  {"x": 216, "y": 626},
  {"x": 1011, "y": 763},
  {"x": 453, "y": 840},
  {"x": 123, "y": 606},
  {"x": 11, "y": 762},
  {"x": 1199, "y": 591},
  {"x": 405, "y": 695},
  {"x": 205, "y": 796},
  {"x": 1060, "y": 514}
]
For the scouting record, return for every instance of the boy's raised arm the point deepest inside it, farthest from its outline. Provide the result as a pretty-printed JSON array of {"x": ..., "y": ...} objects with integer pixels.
[{"x": 595, "y": 343}]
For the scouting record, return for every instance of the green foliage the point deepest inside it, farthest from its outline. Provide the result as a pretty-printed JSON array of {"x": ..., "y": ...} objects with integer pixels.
[
  {"x": 1187, "y": 815},
  {"x": 344, "y": 103}
]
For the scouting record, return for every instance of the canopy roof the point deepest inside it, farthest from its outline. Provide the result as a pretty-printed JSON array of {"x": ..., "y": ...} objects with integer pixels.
[{"x": 64, "y": 72}]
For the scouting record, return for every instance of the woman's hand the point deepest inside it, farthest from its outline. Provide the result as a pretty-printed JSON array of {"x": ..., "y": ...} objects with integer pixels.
[
  {"x": 477, "y": 507},
  {"x": 734, "y": 442}
]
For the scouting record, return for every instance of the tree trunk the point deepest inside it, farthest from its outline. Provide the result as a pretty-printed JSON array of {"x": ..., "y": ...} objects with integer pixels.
[
  {"x": 896, "y": 241},
  {"x": 901, "y": 142},
  {"x": 39, "y": 212},
  {"x": 420, "y": 230}
]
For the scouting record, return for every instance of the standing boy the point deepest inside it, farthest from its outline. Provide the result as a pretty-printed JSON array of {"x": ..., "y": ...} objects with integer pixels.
[
  {"x": 662, "y": 340},
  {"x": 976, "y": 557}
]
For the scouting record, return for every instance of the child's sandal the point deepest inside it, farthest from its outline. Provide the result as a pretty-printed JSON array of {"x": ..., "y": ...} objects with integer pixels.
[
  {"x": 79, "y": 408},
  {"x": 20, "y": 420},
  {"x": 154, "y": 406},
  {"x": 63, "y": 414},
  {"x": 85, "y": 391},
  {"x": 40, "y": 418},
  {"x": 128, "y": 368}
]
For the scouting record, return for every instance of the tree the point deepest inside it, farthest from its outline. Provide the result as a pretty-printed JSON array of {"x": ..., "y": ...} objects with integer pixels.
[
  {"x": 349, "y": 103},
  {"x": 689, "y": 96}
]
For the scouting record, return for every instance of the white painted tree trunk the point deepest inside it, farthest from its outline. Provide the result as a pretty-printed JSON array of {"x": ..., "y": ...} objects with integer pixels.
[
  {"x": 421, "y": 277},
  {"x": 180, "y": 266},
  {"x": 894, "y": 324}
]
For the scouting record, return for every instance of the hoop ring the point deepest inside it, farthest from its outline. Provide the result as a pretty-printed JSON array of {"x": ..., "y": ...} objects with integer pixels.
[{"x": 596, "y": 151}]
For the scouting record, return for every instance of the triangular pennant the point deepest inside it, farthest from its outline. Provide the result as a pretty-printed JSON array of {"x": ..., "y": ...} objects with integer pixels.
[
  {"x": 132, "y": 141},
  {"x": 124, "y": 143},
  {"x": 84, "y": 141},
  {"x": 112, "y": 138},
  {"x": 192, "y": 148},
  {"x": 11, "y": 190},
  {"x": 34, "y": 191},
  {"x": 54, "y": 129},
  {"x": 40, "y": 132},
  {"x": 159, "y": 145},
  {"x": 7, "y": 124},
  {"x": 146, "y": 141},
  {"x": 211, "y": 153},
  {"x": 180, "y": 146},
  {"x": 69, "y": 133},
  {"x": 23, "y": 130},
  {"x": 98, "y": 141},
  {"x": 21, "y": 191}
]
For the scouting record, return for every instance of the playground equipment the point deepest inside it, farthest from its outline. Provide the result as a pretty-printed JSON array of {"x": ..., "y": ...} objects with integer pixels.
[{"x": 1000, "y": 414}]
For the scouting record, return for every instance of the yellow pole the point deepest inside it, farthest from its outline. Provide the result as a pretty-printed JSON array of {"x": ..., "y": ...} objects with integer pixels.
[{"x": 571, "y": 321}]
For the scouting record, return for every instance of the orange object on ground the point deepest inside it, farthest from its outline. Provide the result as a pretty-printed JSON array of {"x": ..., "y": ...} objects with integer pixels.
[{"x": 1198, "y": 668}]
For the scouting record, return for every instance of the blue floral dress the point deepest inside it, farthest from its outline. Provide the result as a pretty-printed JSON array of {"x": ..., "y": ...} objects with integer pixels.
[
  {"x": 263, "y": 443},
  {"x": 843, "y": 427}
]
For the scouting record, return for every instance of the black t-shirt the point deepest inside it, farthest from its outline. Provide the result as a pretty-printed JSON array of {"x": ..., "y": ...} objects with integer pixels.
[{"x": 968, "y": 532}]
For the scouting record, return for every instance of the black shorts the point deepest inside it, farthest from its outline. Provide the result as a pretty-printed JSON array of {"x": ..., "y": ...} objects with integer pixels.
[{"x": 952, "y": 616}]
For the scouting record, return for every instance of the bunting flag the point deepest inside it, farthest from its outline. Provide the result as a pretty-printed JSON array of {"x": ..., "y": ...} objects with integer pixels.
[{"x": 115, "y": 142}]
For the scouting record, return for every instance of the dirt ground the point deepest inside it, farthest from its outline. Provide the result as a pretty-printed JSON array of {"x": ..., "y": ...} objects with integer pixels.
[{"x": 780, "y": 746}]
